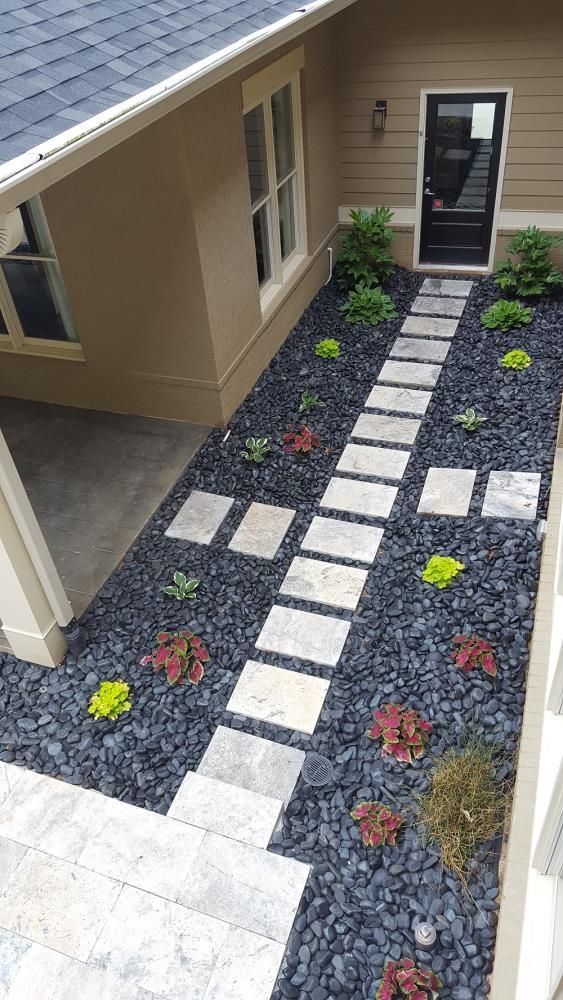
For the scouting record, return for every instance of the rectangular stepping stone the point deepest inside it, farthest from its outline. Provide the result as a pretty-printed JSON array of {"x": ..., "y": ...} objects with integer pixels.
[
  {"x": 435, "y": 305},
  {"x": 309, "y": 636},
  {"x": 398, "y": 400},
  {"x": 410, "y": 373},
  {"x": 377, "y": 427},
  {"x": 512, "y": 494},
  {"x": 262, "y": 530},
  {"x": 250, "y": 762},
  {"x": 429, "y": 326},
  {"x": 224, "y": 808},
  {"x": 372, "y": 499},
  {"x": 200, "y": 517},
  {"x": 420, "y": 350},
  {"x": 343, "y": 539},
  {"x": 447, "y": 491},
  {"x": 446, "y": 286},
  {"x": 324, "y": 583},
  {"x": 247, "y": 967},
  {"x": 283, "y": 697},
  {"x": 365, "y": 460}
]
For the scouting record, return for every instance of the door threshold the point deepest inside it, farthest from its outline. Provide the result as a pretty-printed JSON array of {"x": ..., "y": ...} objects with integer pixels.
[{"x": 454, "y": 268}]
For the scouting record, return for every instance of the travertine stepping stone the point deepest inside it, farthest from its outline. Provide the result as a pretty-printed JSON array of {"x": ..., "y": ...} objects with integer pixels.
[
  {"x": 431, "y": 305},
  {"x": 399, "y": 400},
  {"x": 199, "y": 517},
  {"x": 343, "y": 539},
  {"x": 446, "y": 286},
  {"x": 429, "y": 326},
  {"x": 262, "y": 530},
  {"x": 410, "y": 373},
  {"x": 222, "y": 807},
  {"x": 247, "y": 966},
  {"x": 372, "y": 499},
  {"x": 420, "y": 350},
  {"x": 378, "y": 427},
  {"x": 318, "y": 638},
  {"x": 512, "y": 494},
  {"x": 447, "y": 491},
  {"x": 262, "y": 766},
  {"x": 365, "y": 460},
  {"x": 283, "y": 697},
  {"x": 324, "y": 582}
]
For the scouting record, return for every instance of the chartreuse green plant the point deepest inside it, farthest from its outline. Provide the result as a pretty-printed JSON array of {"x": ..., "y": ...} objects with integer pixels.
[
  {"x": 309, "y": 400},
  {"x": 504, "y": 315},
  {"x": 441, "y": 571},
  {"x": 469, "y": 420},
  {"x": 182, "y": 588},
  {"x": 378, "y": 823},
  {"x": 532, "y": 273},
  {"x": 517, "y": 359},
  {"x": 364, "y": 251},
  {"x": 328, "y": 348},
  {"x": 180, "y": 654},
  {"x": 110, "y": 700},
  {"x": 256, "y": 449},
  {"x": 403, "y": 732},
  {"x": 368, "y": 305},
  {"x": 404, "y": 979}
]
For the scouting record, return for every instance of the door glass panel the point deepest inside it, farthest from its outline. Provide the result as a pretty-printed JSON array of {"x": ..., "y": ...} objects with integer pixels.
[
  {"x": 256, "y": 154},
  {"x": 287, "y": 218},
  {"x": 282, "y": 119},
  {"x": 463, "y": 155},
  {"x": 262, "y": 244}
]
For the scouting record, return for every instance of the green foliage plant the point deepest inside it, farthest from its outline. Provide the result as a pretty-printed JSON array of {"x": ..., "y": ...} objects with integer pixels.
[
  {"x": 532, "y": 273},
  {"x": 469, "y": 420},
  {"x": 110, "y": 700},
  {"x": 309, "y": 400},
  {"x": 404, "y": 979},
  {"x": 364, "y": 251},
  {"x": 378, "y": 823},
  {"x": 505, "y": 315},
  {"x": 517, "y": 360},
  {"x": 256, "y": 449},
  {"x": 328, "y": 348},
  {"x": 182, "y": 588},
  {"x": 441, "y": 571},
  {"x": 368, "y": 305}
]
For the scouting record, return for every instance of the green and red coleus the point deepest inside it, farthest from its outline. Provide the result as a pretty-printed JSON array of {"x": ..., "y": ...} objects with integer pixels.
[
  {"x": 474, "y": 652},
  {"x": 180, "y": 654},
  {"x": 404, "y": 979},
  {"x": 378, "y": 823},
  {"x": 403, "y": 732},
  {"x": 301, "y": 441}
]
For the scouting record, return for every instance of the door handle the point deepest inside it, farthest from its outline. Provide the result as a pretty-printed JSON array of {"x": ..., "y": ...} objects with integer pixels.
[{"x": 428, "y": 191}]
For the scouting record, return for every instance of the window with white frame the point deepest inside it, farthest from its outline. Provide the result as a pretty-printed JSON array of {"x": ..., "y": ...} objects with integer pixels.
[{"x": 549, "y": 860}]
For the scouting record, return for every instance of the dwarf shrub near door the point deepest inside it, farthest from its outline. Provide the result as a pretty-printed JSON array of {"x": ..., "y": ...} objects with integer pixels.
[
  {"x": 110, "y": 700},
  {"x": 441, "y": 571},
  {"x": 403, "y": 732},
  {"x": 532, "y": 274},
  {"x": 517, "y": 360},
  {"x": 364, "y": 252},
  {"x": 504, "y": 315},
  {"x": 368, "y": 305},
  {"x": 378, "y": 823},
  {"x": 180, "y": 654},
  {"x": 404, "y": 979}
]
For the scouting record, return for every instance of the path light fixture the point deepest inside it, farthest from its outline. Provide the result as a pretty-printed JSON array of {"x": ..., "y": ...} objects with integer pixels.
[
  {"x": 379, "y": 115},
  {"x": 425, "y": 935}
]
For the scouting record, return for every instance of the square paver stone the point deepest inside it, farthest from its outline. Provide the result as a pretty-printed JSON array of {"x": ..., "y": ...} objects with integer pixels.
[
  {"x": 429, "y": 326},
  {"x": 446, "y": 286},
  {"x": 398, "y": 400},
  {"x": 247, "y": 967},
  {"x": 224, "y": 808},
  {"x": 344, "y": 539},
  {"x": 283, "y": 697},
  {"x": 420, "y": 350},
  {"x": 371, "y": 499},
  {"x": 309, "y": 636},
  {"x": 200, "y": 517},
  {"x": 262, "y": 766},
  {"x": 410, "y": 373},
  {"x": 436, "y": 305},
  {"x": 262, "y": 530},
  {"x": 447, "y": 491},
  {"x": 512, "y": 494},
  {"x": 365, "y": 460},
  {"x": 378, "y": 427},
  {"x": 324, "y": 582}
]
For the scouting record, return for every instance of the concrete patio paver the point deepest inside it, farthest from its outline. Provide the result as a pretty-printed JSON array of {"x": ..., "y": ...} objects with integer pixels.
[
  {"x": 324, "y": 583},
  {"x": 343, "y": 539},
  {"x": 304, "y": 634},
  {"x": 412, "y": 373},
  {"x": 398, "y": 399},
  {"x": 379, "y": 427},
  {"x": 220, "y": 807},
  {"x": 420, "y": 350},
  {"x": 429, "y": 326},
  {"x": 446, "y": 286},
  {"x": 366, "y": 460},
  {"x": 436, "y": 305},
  {"x": 283, "y": 697}
]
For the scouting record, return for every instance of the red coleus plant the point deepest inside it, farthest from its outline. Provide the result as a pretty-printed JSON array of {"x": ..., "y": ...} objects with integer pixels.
[
  {"x": 378, "y": 824},
  {"x": 473, "y": 652},
  {"x": 403, "y": 979},
  {"x": 180, "y": 655},
  {"x": 301, "y": 441},
  {"x": 403, "y": 732}
]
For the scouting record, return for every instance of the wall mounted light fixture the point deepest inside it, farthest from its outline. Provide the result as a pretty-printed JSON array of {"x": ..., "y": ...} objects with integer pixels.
[{"x": 379, "y": 114}]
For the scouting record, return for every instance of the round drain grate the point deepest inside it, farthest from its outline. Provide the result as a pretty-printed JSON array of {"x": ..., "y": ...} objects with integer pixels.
[{"x": 317, "y": 770}]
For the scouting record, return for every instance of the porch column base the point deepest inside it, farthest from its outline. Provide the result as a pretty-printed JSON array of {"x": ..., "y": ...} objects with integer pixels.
[{"x": 47, "y": 650}]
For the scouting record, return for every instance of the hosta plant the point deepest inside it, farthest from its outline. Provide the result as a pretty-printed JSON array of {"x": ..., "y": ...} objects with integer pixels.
[
  {"x": 110, "y": 700},
  {"x": 517, "y": 360},
  {"x": 256, "y": 449},
  {"x": 180, "y": 654},
  {"x": 403, "y": 732},
  {"x": 469, "y": 420},
  {"x": 441, "y": 571},
  {"x": 182, "y": 588},
  {"x": 328, "y": 348},
  {"x": 364, "y": 251},
  {"x": 504, "y": 315},
  {"x": 378, "y": 823},
  {"x": 532, "y": 273},
  {"x": 301, "y": 441},
  {"x": 404, "y": 979},
  {"x": 309, "y": 400},
  {"x": 368, "y": 305},
  {"x": 472, "y": 653}
]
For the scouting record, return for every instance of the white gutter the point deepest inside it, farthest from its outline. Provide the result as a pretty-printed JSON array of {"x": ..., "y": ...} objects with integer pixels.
[{"x": 48, "y": 162}]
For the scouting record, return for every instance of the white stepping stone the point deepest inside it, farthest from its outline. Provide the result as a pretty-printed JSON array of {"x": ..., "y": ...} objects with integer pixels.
[
  {"x": 446, "y": 286},
  {"x": 324, "y": 583},
  {"x": 343, "y": 539},
  {"x": 262, "y": 530},
  {"x": 512, "y": 494},
  {"x": 410, "y": 373},
  {"x": 365, "y": 460},
  {"x": 434, "y": 305},
  {"x": 309, "y": 636},
  {"x": 251, "y": 762},
  {"x": 247, "y": 967},
  {"x": 378, "y": 427},
  {"x": 200, "y": 517},
  {"x": 224, "y": 808},
  {"x": 371, "y": 499},
  {"x": 429, "y": 326},
  {"x": 283, "y": 697},
  {"x": 447, "y": 491},
  {"x": 398, "y": 400},
  {"x": 419, "y": 350}
]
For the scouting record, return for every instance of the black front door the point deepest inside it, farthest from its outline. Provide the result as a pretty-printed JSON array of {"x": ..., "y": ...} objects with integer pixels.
[{"x": 461, "y": 161}]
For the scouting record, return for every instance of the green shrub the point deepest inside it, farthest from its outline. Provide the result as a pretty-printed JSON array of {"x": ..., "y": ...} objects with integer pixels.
[
  {"x": 364, "y": 252},
  {"x": 533, "y": 273},
  {"x": 441, "y": 571},
  {"x": 505, "y": 315},
  {"x": 469, "y": 420},
  {"x": 110, "y": 700},
  {"x": 518, "y": 360},
  {"x": 328, "y": 348},
  {"x": 368, "y": 305}
]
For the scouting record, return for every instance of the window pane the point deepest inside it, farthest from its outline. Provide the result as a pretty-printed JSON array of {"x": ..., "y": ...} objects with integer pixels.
[
  {"x": 282, "y": 116},
  {"x": 287, "y": 218},
  {"x": 557, "y": 953},
  {"x": 463, "y": 154},
  {"x": 262, "y": 244},
  {"x": 32, "y": 285},
  {"x": 3, "y": 327},
  {"x": 256, "y": 153}
]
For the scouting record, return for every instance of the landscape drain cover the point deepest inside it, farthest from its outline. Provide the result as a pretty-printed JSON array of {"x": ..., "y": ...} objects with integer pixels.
[{"x": 317, "y": 770}]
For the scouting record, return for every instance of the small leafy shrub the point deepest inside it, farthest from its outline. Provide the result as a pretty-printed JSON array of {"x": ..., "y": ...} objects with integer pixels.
[
  {"x": 532, "y": 274},
  {"x": 368, "y": 305},
  {"x": 441, "y": 571},
  {"x": 504, "y": 315},
  {"x": 309, "y": 400},
  {"x": 364, "y": 251},
  {"x": 328, "y": 348},
  {"x": 474, "y": 652},
  {"x": 301, "y": 441},
  {"x": 256, "y": 449},
  {"x": 469, "y": 420},
  {"x": 110, "y": 700},
  {"x": 517, "y": 360},
  {"x": 179, "y": 654},
  {"x": 378, "y": 824},
  {"x": 404, "y": 979},
  {"x": 403, "y": 732},
  {"x": 182, "y": 588}
]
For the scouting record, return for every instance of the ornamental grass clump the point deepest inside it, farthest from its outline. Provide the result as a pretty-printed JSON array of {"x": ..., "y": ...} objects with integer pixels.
[
  {"x": 378, "y": 823},
  {"x": 504, "y": 315},
  {"x": 441, "y": 571},
  {"x": 110, "y": 700},
  {"x": 301, "y": 441},
  {"x": 328, "y": 348},
  {"x": 473, "y": 653},
  {"x": 404, "y": 979},
  {"x": 180, "y": 654},
  {"x": 403, "y": 732},
  {"x": 368, "y": 305},
  {"x": 517, "y": 360}
]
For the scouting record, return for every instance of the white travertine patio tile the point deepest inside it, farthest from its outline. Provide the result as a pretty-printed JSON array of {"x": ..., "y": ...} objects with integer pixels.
[
  {"x": 283, "y": 697},
  {"x": 436, "y": 305},
  {"x": 410, "y": 373},
  {"x": 251, "y": 762},
  {"x": 366, "y": 460},
  {"x": 319, "y": 638},
  {"x": 200, "y": 517},
  {"x": 246, "y": 886},
  {"x": 262, "y": 530},
  {"x": 446, "y": 286},
  {"x": 447, "y": 491},
  {"x": 420, "y": 350},
  {"x": 324, "y": 582},
  {"x": 247, "y": 967},
  {"x": 512, "y": 494},
  {"x": 380, "y": 427},
  {"x": 398, "y": 399},
  {"x": 11, "y": 856},
  {"x": 343, "y": 539},
  {"x": 225, "y": 808},
  {"x": 371, "y": 499},
  {"x": 9, "y": 776},
  {"x": 429, "y": 326},
  {"x": 44, "y": 974},
  {"x": 13, "y": 949}
]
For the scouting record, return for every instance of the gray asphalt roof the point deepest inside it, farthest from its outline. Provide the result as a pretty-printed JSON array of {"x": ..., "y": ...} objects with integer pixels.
[{"x": 64, "y": 61}]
